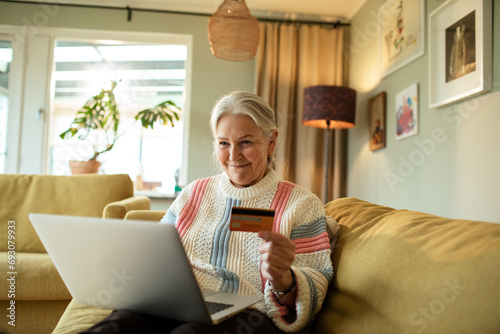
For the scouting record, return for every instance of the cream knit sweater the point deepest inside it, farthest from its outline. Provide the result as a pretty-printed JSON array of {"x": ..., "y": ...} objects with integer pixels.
[{"x": 229, "y": 261}]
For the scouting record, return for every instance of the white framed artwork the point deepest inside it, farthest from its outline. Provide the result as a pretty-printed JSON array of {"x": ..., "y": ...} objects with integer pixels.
[
  {"x": 401, "y": 34},
  {"x": 460, "y": 51}
]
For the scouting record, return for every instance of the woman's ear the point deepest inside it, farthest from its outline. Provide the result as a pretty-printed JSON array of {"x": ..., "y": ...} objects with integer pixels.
[{"x": 272, "y": 143}]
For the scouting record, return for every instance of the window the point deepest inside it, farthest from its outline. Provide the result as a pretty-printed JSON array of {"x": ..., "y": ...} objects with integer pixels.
[
  {"x": 148, "y": 74},
  {"x": 5, "y": 61}
]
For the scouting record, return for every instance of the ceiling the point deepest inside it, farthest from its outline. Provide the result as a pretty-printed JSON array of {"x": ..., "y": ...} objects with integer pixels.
[
  {"x": 314, "y": 10},
  {"x": 262, "y": 8}
]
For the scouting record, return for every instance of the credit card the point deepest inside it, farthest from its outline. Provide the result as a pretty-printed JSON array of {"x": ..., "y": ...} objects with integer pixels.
[{"x": 251, "y": 220}]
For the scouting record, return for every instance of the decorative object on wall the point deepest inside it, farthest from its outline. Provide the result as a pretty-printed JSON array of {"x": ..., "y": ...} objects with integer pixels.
[
  {"x": 407, "y": 112},
  {"x": 233, "y": 32},
  {"x": 376, "y": 119},
  {"x": 401, "y": 33},
  {"x": 460, "y": 51},
  {"x": 329, "y": 107}
]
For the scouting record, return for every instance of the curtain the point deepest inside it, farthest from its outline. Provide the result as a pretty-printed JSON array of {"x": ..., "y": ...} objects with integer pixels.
[{"x": 290, "y": 58}]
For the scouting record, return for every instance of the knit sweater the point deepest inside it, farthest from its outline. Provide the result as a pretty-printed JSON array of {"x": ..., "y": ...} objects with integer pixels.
[{"x": 229, "y": 261}]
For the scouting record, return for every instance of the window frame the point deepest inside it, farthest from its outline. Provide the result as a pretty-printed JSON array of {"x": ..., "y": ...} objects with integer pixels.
[
  {"x": 15, "y": 97},
  {"x": 20, "y": 41}
]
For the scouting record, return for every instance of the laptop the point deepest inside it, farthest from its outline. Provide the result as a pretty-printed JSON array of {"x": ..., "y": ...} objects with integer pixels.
[{"x": 136, "y": 265}]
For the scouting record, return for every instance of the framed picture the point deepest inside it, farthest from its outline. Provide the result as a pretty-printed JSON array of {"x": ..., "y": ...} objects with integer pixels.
[
  {"x": 460, "y": 52},
  {"x": 376, "y": 118},
  {"x": 401, "y": 33},
  {"x": 407, "y": 112}
]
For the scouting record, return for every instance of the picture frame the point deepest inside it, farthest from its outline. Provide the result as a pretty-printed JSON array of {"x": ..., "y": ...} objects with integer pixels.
[
  {"x": 460, "y": 51},
  {"x": 401, "y": 34},
  {"x": 377, "y": 121},
  {"x": 407, "y": 102}
]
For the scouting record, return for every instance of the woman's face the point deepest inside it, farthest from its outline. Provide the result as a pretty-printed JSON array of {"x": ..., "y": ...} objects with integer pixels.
[{"x": 242, "y": 149}]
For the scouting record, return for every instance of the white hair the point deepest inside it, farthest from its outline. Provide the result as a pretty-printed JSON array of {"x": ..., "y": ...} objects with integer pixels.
[{"x": 245, "y": 103}]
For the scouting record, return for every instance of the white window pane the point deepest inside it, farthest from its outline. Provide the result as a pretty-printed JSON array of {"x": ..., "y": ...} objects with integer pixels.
[{"x": 148, "y": 75}]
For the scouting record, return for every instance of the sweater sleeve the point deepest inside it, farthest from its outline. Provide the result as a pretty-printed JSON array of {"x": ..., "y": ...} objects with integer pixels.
[
  {"x": 312, "y": 267},
  {"x": 175, "y": 209}
]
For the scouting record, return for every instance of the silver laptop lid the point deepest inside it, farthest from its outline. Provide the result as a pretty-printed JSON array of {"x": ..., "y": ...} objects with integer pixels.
[{"x": 129, "y": 267}]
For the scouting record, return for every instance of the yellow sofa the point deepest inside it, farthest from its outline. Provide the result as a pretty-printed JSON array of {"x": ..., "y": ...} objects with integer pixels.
[
  {"x": 40, "y": 297},
  {"x": 397, "y": 271}
]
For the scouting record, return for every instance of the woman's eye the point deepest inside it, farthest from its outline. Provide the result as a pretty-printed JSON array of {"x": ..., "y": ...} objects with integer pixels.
[{"x": 246, "y": 142}]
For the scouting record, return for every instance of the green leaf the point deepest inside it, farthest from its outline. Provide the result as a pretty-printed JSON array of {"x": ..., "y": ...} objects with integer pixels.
[{"x": 101, "y": 113}]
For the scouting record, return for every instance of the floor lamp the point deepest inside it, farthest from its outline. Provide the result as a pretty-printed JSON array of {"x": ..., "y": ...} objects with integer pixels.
[{"x": 329, "y": 107}]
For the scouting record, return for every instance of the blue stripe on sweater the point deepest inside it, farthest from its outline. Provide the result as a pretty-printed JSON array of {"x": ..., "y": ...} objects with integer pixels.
[
  {"x": 220, "y": 249},
  {"x": 327, "y": 272},
  {"x": 169, "y": 218},
  {"x": 313, "y": 293},
  {"x": 308, "y": 230}
]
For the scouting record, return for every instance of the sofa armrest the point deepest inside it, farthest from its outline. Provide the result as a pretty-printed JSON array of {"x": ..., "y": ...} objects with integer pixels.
[
  {"x": 151, "y": 215},
  {"x": 120, "y": 208}
]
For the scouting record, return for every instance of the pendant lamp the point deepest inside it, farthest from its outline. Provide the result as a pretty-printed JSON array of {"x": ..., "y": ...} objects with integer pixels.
[{"x": 233, "y": 32}]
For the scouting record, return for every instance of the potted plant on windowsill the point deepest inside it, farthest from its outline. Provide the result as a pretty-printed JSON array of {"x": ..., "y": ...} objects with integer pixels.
[{"x": 98, "y": 120}]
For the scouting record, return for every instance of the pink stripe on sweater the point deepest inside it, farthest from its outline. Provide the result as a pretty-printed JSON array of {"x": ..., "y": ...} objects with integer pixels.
[
  {"x": 312, "y": 244},
  {"x": 311, "y": 249},
  {"x": 279, "y": 202},
  {"x": 192, "y": 206}
]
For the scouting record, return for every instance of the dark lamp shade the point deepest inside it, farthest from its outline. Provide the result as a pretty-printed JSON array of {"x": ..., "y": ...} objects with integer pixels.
[
  {"x": 233, "y": 32},
  {"x": 329, "y": 103}
]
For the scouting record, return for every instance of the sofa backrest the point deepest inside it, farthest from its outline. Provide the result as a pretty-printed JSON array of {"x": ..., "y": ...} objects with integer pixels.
[
  {"x": 78, "y": 195},
  {"x": 401, "y": 271}
]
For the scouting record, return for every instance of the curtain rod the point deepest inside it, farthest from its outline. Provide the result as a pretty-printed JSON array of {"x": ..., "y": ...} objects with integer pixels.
[{"x": 130, "y": 10}]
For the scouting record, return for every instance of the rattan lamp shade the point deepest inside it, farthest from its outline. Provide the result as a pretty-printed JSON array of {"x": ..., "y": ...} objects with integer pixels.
[
  {"x": 333, "y": 105},
  {"x": 233, "y": 32}
]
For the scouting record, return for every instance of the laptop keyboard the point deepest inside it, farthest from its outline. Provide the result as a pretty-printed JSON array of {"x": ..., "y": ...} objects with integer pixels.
[{"x": 214, "y": 307}]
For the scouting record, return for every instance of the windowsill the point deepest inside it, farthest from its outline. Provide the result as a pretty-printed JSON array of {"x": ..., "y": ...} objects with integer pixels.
[{"x": 155, "y": 194}]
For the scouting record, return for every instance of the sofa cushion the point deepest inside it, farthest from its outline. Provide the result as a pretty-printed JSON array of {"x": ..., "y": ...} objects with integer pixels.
[
  {"x": 400, "y": 271},
  {"x": 146, "y": 215},
  {"x": 78, "y": 318},
  {"x": 78, "y": 195},
  {"x": 33, "y": 316},
  {"x": 36, "y": 278}
]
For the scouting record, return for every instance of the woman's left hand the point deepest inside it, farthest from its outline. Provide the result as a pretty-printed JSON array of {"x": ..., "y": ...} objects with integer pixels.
[{"x": 277, "y": 253}]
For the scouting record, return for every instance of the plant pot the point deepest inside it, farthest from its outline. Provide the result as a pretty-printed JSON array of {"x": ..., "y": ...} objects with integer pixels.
[{"x": 84, "y": 167}]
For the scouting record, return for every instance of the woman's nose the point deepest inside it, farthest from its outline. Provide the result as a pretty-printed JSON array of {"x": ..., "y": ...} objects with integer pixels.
[{"x": 234, "y": 153}]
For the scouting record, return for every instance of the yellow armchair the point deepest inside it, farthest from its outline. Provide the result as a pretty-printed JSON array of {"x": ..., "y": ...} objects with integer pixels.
[{"x": 38, "y": 294}]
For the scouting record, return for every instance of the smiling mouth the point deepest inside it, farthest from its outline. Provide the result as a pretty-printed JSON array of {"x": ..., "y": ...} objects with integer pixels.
[{"x": 237, "y": 166}]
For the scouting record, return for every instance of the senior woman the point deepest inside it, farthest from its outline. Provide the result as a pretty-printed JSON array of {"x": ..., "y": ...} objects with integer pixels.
[{"x": 290, "y": 265}]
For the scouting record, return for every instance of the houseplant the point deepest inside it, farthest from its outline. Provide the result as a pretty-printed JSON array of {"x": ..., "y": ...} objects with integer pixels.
[{"x": 98, "y": 120}]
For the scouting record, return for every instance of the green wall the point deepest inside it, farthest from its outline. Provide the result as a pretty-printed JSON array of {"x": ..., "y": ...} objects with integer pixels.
[
  {"x": 451, "y": 168},
  {"x": 211, "y": 77}
]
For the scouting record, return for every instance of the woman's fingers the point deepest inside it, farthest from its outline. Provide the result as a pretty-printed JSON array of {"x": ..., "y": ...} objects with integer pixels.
[{"x": 277, "y": 254}]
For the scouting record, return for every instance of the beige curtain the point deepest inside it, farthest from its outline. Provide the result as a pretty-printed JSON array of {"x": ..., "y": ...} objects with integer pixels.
[{"x": 289, "y": 59}]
